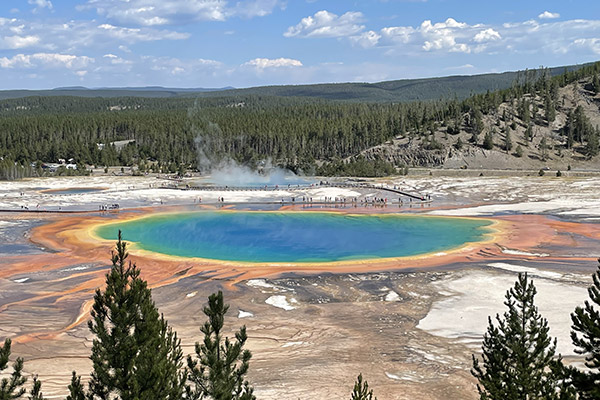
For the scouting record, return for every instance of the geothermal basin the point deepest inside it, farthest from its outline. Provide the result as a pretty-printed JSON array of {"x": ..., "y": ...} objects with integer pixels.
[
  {"x": 377, "y": 300},
  {"x": 295, "y": 237}
]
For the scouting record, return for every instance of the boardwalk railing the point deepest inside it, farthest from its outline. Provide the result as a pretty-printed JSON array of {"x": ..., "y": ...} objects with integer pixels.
[{"x": 212, "y": 188}]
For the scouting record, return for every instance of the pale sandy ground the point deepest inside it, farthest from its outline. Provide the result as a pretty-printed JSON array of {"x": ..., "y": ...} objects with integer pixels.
[
  {"x": 564, "y": 196},
  {"x": 470, "y": 297},
  {"x": 411, "y": 334},
  {"x": 138, "y": 192}
]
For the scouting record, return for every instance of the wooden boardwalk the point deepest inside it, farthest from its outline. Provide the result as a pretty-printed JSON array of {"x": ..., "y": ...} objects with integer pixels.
[
  {"x": 212, "y": 188},
  {"x": 341, "y": 201}
]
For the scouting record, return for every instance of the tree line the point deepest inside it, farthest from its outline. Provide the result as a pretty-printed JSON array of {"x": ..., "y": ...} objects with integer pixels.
[
  {"x": 297, "y": 133},
  {"x": 136, "y": 355},
  {"x": 292, "y": 133}
]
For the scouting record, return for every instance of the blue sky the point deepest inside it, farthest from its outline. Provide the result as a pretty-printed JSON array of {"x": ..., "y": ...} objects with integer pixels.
[{"x": 241, "y": 43}]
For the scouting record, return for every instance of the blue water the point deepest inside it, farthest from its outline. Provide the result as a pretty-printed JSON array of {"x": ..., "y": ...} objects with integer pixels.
[{"x": 256, "y": 236}]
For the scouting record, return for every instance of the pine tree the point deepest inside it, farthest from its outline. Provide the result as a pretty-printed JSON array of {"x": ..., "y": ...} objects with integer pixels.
[
  {"x": 586, "y": 338},
  {"x": 361, "y": 390},
  {"x": 459, "y": 144},
  {"x": 524, "y": 112},
  {"x": 518, "y": 360},
  {"x": 476, "y": 125},
  {"x": 581, "y": 124},
  {"x": 569, "y": 128},
  {"x": 550, "y": 109},
  {"x": 519, "y": 151},
  {"x": 474, "y": 138},
  {"x": 11, "y": 388},
  {"x": 488, "y": 141},
  {"x": 220, "y": 366},
  {"x": 528, "y": 136},
  {"x": 76, "y": 390},
  {"x": 508, "y": 142},
  {"x": 36, "y": 390},
  {"x": 543, "y": 149},
  {"x": 593, "y": 146},
  {"x": 135, "y": 355}
]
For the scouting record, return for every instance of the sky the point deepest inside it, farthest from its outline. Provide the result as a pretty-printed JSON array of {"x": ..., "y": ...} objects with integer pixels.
[{"x": 241, "y": 43}]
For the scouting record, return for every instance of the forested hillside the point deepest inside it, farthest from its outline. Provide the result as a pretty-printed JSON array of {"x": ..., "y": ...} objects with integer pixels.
[
  {"x": 550, "y": 123},
  {"x": 539, "y": 118},
  {"x": 404, "y": 90},
  {"x": 293, "y": 133},
  {"x": 149, "y": 91}
]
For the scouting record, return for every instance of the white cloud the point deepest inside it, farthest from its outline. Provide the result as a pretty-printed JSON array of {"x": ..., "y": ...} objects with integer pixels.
[
  {"x": 256, "y": 8},
  {"x": 6, "y": 21},
  {"x": 552, "y": 37},
  {"x": 74, "y": 36},
  {"x": 18, "y": 42},
  {"x": 589, "y": 44},
  {"x": 48, "y": 48},
  {"x": 398, "y": 34},
  {"x": 327, "y": 24},
  {"x": 452, "y": 36},
  {"x": 487, "y": 35},
  {"x": 443, "y": 36},
  {"x": 464, "y": 67},
  {"x": 20, "y": 60},
  {"x": 159, "y": 12},
  {"x": 366, "y": 39},
  {"x": 548, "y": 15},
  {"x": 116, "y": 60},
  {"x": 46, "y": 60},
  {"x": 446, "y": 43},
  {"x": 427, "y": 26},
  {"x": 132, "y": 35},
  {"x": 262, "y": 63},
  {"x": 175, "y": 12},
  {"x": 41, "y": 4},
  {"x": 175, "y": 66}
]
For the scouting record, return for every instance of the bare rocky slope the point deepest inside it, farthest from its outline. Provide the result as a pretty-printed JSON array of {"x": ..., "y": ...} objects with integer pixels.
[{"x": 412, "y": 150}]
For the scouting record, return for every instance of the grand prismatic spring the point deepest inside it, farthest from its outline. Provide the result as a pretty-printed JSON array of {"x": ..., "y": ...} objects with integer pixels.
[{"x": 264, "y": 237}]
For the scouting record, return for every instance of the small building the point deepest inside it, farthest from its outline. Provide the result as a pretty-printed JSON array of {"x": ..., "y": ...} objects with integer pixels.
[{"x": 119, "y": 144}]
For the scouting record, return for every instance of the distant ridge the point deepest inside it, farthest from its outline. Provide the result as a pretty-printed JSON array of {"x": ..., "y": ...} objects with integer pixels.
[
  {"x": 141, "y": 89},
  {"x": 72, "y": 88},
  {"x": 81, "y": 91},
  {"x": 404, "y": 90},
  {"x": 161, "y": 88}
]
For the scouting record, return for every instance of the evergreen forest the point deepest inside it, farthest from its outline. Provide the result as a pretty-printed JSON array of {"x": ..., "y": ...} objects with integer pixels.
[{"x": 308, "y": 135}]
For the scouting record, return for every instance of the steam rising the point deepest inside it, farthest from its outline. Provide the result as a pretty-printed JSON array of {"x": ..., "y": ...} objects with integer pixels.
[
  {"x": 230, "y": 173},
  {"x": 225, "y": 171}
]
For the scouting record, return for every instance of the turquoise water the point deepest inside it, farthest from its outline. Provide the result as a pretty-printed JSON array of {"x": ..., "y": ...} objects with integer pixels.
[{"x": 255, "y": 236}]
